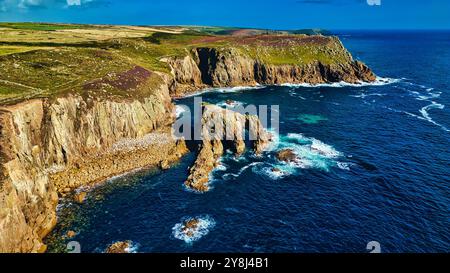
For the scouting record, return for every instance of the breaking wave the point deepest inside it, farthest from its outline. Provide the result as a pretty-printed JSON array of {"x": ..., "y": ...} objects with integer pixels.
[
  {"x": 180, "y": 110},
  {"x": 311, "y": 152},
  {"x": 378, "y": 82},
  {"x": 190, "y": 234},
  {"x": 230, "y": 104}
]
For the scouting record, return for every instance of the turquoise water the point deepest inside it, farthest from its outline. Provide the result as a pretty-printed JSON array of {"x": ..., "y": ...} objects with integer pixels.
[{"x": 374, "y": 167}]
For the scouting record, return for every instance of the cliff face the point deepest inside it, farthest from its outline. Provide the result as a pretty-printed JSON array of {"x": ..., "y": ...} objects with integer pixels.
[
  {"x": 225, "y": 67},
  {"x": 56, "y": 146}
]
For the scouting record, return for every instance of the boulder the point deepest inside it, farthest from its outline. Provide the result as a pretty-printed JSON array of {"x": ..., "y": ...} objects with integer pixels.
[
  {"x": 287, "y": 155},
  {"x": 190, "y": 227},
  {"x": 70, "y": 234},
  {"x": 119, "y": 247},
  {"x": 80, "y": 197}
]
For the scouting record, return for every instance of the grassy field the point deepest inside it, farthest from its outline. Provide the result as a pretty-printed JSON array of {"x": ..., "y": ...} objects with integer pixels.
[{"x": 44, "y": 60}]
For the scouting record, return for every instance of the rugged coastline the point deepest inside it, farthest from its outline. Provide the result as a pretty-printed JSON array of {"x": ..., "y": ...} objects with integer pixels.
[{"x": 117, "y": 122}]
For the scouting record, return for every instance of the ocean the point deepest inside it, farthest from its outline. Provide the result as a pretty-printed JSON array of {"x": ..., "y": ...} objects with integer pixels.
[{"x": 375, "y": 166}]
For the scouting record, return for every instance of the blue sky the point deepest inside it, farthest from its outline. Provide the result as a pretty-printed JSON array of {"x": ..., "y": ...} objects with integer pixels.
[{"x": 274, "y": 14}]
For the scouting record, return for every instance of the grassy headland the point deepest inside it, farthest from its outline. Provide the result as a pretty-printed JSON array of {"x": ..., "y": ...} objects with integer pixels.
[{"x": 44, "y": 60}]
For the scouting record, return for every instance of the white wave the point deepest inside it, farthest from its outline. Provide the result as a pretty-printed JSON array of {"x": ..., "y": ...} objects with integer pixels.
[
  {"x": 343, "y": 165},
  {"x": 230, "y": 105},
  {"x": 274, "y": 173},
  {"x": 430, "y": 96},
  {"x": 189, "y": 235},
  {"x": 221, "y": 167},
  {"x": 273, "y": 145},
  {"x": 236, "y": 88},
  {"x": 311, "y": 152},
  {"x": 426, "y": 115},
  {"x": 324, "y": 149},
  {"x": 132, "y": 247},
  {"x": 180, "y": 110},
  {"x": 224, "y": 90},
  {"x": 378, "y": 82},
  {"x": 365, "y": 95},
  {"x": 242, "y": 170}
]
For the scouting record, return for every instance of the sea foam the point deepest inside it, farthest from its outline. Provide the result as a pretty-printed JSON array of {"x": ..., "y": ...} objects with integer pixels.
[
  {"x": 204, "y": 225},
  {"x": 379, "y": 81}
]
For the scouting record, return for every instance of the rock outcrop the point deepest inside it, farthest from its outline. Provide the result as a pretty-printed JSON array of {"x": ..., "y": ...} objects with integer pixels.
[
  {"x": 287, "y": 155},
  {"x": 222, "y": 126},
  {"x": 55, "y": 146},
  {"x": 119, "y": 247}
]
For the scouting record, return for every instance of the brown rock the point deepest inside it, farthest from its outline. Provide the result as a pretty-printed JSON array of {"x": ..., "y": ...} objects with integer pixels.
[
  {"x": 80, "y": 197},
  {"x": 286, "y": 155},
  {"x": 119, "y": 247},
  {"x": 190, "y": 227},
  {"x": 70, "y": 234},
  {"x": 164, "y": 165}
]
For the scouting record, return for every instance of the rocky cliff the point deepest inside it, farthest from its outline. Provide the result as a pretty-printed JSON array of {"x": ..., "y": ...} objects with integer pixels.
[
  {"x": 55, "y": 146},
  {"x": 231, "y": 66}
]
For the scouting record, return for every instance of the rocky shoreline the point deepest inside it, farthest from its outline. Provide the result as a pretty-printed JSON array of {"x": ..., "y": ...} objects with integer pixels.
[{"x": 51, "y": 146}]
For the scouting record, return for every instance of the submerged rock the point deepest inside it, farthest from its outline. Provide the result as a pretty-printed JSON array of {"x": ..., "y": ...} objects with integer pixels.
[
  {"x": 70, "y": 234},
  {"x": 192, "y": 229},
  {"x": 190, "y": 226}
]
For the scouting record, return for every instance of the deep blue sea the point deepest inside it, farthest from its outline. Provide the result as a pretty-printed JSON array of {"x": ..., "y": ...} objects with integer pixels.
[{"x": 375, "y": 167}]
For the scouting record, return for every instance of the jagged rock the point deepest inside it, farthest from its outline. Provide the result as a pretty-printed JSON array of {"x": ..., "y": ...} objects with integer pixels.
[
  {"x": 286, "y": 155},
  {"x": 164, "y": 165},
  {"x": 119, "y": 247},
  {"x": 80, "y": 197},
  {"x": 219, "y": 125},
  {"x": 190, "y": 227},
  {"x": 51, "y": 146}
]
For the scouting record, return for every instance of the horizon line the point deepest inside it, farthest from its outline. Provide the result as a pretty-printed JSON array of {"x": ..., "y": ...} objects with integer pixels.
[{"x": 241, "y": 27}]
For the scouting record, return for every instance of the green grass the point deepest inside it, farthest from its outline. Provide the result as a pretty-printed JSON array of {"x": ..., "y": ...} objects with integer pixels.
[
  {"x": 294, "y": 55},
  {"x": 6, "y": 50},
  {"x": 38, "y": 61}
]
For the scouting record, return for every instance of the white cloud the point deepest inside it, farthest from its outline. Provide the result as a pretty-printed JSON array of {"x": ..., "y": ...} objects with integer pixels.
[
  {"x": 74, "y": 2},
  {"x": 11, "y": 5}
]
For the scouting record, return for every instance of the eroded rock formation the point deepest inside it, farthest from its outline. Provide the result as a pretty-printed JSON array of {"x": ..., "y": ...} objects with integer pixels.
[{"x": 221, "y": 126}]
